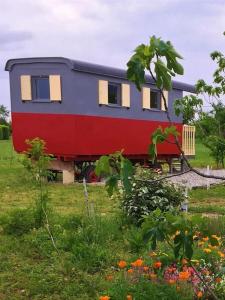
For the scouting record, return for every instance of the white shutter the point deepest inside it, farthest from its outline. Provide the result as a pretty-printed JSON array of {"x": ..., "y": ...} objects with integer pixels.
[
  {"x": 146, "y": 98},
  {"x": 166, "y": 94},
  {"x": 125, "y": 95},
  {"x": 55, "y": 88},
  {"x": 25, "y": 86},
  {"x": 103, "y": 92}
]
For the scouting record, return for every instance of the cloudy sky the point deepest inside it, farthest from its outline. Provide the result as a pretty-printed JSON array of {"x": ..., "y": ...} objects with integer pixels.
[{"x": 106, "y": 31}]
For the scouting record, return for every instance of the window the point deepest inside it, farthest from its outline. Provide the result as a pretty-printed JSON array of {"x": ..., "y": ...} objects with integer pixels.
[
  {"x": 155, "y": 100},
  {"x": 40, "y": 88},
  {"x": 114, "y": 93}
]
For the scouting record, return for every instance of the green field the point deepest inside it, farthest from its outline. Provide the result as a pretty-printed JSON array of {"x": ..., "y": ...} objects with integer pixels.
[
  {"x": 202, "y": 158},
  {"x": 17, "y": 192},
  {"x": 29, "y": 266}
]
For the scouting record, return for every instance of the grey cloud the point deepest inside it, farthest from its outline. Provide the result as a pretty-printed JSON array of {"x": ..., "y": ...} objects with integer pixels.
[
  {"x": 106, "y": 32},
  {"x": 14, "y": 36}
]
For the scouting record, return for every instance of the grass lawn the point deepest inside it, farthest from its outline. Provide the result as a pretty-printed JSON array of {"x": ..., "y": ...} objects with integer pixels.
[
  {"x": 202, "y": 200},
  {"x": 29, "y": 266},
  {"x": 16, "y": 189},
  {"x": 202, "y": 158}
]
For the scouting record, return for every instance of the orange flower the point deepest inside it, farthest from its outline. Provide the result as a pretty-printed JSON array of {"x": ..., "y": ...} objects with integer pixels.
[
  {"x": 129, "y": 297},
  {"x": 205, "y": 239},
  {"x": 171, "y": 281},
  {"x": 207, "y": 250},
  {"x": 170, "y": 270},
  {"x": 145, "y": 268},
  {"x": 200, "y": 243},
  {"x": 218, "y": 280},
  {"x": 138, "y": 263},
  {"x": 205, "y": 272},
  {"x": 152, "y": 276},
  {"x": 216, "y": 237},
  {"x": 157, "y": 265},
  {"x": 104, "y": 298},
  {"x": 199, "y": 294},
  {"x": 184, "y": 275},
  {"x": 221, "y": 254},
  {"x": 130, "y": 271},
  {"x": 212, "y": 247},
  {"x": 122, "y": 264}
]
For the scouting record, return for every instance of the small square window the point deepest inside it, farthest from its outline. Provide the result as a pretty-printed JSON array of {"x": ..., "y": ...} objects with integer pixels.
[
  {"x": 155, "y": 102},
  {"x": 40, "y": 88},
  {"x": 114, "y": 93}
]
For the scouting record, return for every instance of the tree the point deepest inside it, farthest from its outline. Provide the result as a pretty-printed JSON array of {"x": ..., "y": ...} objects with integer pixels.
[
  {"x": 211, "y": 124},
  {"x": 4, "y": 114},
  {"x": 160, "y": 59}
]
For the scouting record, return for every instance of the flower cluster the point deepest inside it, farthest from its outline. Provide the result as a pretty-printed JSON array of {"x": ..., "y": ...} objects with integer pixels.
[{"x": 199, "y": 275}]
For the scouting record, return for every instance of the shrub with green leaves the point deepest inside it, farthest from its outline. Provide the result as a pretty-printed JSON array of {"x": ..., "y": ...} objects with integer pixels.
[
  {"x": 90, "y": 241},
  {"x": 147, "y": 196},
  {"x": 18, "y": 222},
  {"x": 5, "y": 132}
]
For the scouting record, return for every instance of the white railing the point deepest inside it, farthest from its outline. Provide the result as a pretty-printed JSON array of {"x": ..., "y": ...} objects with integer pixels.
[{"x": 188, "y": 140}]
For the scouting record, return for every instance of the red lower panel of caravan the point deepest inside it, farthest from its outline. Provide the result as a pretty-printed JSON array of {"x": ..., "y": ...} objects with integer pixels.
[{"x": 83, "y": 137}]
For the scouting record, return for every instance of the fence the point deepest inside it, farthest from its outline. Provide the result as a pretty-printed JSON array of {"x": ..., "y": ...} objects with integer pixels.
[{"x": 188, "y": 140}]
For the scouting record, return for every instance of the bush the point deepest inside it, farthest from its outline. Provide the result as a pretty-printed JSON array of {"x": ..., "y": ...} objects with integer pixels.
[
  {"x": 18, "y": 222},
  {"x": 146, "y": 197},
  {"x": 5, "y": 132},
  {"x": 90, "y": 241}
]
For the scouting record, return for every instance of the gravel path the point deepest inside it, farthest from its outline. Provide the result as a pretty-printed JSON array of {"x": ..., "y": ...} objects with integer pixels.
[{"x": 192, "y": 180}]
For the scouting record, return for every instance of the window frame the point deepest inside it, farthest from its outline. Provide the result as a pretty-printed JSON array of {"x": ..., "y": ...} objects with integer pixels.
[
  {"x": 34, "y": 79},
  {"x": 159, "y": 108},
  {"x": 119, "y": 94}
]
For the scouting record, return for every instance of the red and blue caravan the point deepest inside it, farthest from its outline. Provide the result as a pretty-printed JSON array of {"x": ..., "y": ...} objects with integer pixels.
[{"x": 83, "y": 110}]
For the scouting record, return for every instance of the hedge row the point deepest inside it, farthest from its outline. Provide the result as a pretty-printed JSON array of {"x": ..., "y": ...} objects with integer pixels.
[{"x": 4, "y": 132}]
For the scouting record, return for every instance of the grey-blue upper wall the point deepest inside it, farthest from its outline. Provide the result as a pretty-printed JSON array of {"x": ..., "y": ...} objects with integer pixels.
[{"x": 80, "y": 92}]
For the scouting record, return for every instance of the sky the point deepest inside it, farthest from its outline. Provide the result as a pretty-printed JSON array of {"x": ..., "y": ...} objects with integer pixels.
[{"x": 107, "y": 31}]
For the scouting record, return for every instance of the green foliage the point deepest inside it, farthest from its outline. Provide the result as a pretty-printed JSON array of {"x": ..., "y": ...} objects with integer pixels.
[
  {"x": 145, "y": 196},
  {"x": 143, "y": 289},
  {"x": 18, "y": 222},
  {"x": 36, "y": 161},
  {"x": 188, "y": 106},
  {"x": 5, "y": 132},
  {"x": 134, "y": 238},
  {"x": 160, "y": 136},
  {"x": 30, "y": 268},
  {"x": 115, "y": 167},
  {"x": 159, "y": 227},
  {"x": 4, "y": 113},
  {"x": 210, "y": 226},
  {"x": 159, "y": 53},
  {"x": 211, "y": 124},
  {"x": 211, "y": 131},
  {"x": 90, "y": 242},
  {"x": 217, "y": 149}
]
